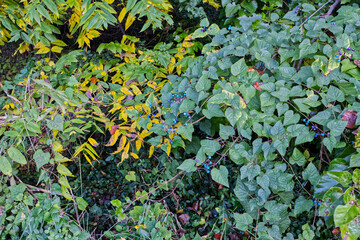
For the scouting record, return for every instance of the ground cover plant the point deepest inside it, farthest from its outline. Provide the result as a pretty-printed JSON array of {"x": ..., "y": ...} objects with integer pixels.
[{"x": 179, "y": 119}]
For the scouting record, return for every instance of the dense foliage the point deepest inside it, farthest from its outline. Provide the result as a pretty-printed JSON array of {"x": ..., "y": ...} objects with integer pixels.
[{"x": 226, "y": 120}]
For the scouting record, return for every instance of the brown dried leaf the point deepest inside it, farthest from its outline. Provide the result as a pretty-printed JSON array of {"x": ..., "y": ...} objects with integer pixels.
[
  {"x": 350, "y": 116},
  {"x": 184, "y": 218}
]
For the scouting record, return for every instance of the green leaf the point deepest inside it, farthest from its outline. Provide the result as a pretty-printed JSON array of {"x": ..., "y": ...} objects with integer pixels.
[
  {"x": 33, "y": 127},
  {"x": 226, "y": 131},
  {"x": 64, "y": 170},
  {"x": 57, "y": 123},
  {"x": 343, "y": 41},
  {"x": 335, "y": 94},
  {"x": 311, "y": 174},
  {"x": 204, "y": 22},
  {"x": 345, "y": 213},
  {"x": 186, "y": 105},
  {"x": 297, "y": 157},
  {"x": 291, "y": 118},
  {"x": 81, "y": 203},
  {"x": 144, "y": 195},
  {"x": 186, "y": 131},
  {"x": 321, "y": 118},
  {"x": 41, "y": 158},
  {"x": 343, "y": 177},
  {"x": 336, "y": 127},
  {"x": 210, "y": 146},
  {"x": 188, "y": 165},
  {"x": 220, "y": 175},
  {"x": 233, "y": 115},
  {"x": 16, "y": 155},
  {"x": 355, "y": 160},
  {"x": 243, "y": 221},
  {"x": 239, "y": 68},
  {"x": 307, "y": 233},
  {"x": 131, "y": 176},
  {"x": 5, "y": 166},
  {"x": 302, "y": 205}
]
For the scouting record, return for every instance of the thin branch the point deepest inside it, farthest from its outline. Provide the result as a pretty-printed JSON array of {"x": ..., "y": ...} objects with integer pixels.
[{"x": 333, "y": 6}]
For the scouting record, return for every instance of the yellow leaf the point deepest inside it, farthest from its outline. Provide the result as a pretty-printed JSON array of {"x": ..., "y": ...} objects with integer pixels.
[
  {"x": 136, "y": 90},
  {"x": 43, "y": 50},
  {"x": 124, "y": 115},
  {"x": 134, "y": 155},
  {"x": 138, "y": 145},
  {"x": 93, "y": 142},
  {"x": 122, "y": 15},
  {"x": 87, "y": 159},
  {"x": 65, "y": 192},
  {"x": 187, "y": 44},
  {"x": 129, "y": 21},
  {"x": 59, "y": 43},
  {"x": 126, "y": 91},
  {"x": 57, "y": 147},
  {"x": 121, "y": 145},
  {"x": 56, "y": 49},
  {"x": 125, "y": 153},
  {"x": 113, "y": 138},
  {"x": 109, "y": 1},
  {"x": 151, "y": 151},
  {"x": 168, "y": 149}
]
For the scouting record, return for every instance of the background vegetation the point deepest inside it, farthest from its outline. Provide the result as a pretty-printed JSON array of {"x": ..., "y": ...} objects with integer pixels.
[{"x": 179, "y": 119}]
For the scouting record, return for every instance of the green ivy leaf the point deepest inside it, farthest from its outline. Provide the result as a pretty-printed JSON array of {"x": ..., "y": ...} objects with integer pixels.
[
  {"x": 220, "y": 175},
  {"x": 311, "y": 174}
]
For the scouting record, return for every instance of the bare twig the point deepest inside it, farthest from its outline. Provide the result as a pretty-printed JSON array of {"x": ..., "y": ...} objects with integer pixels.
[{"x": 333, "y": 6}]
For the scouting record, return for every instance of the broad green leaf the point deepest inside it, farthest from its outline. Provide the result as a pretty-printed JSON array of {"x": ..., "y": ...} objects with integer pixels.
[
  {"x": 336, "y": 127},
  {"x": 41, "y": 158},
  {"x": 57, "y": 123},
  {"x": 5, "y": 166},
  {"x": 210, "y": 146},
  {"x": 188, "y": 165},
  {"x": 233, "y": 115},
  {"x": 243, "y": 221},
  {"x": 297, "y": 157},
  {"x": 16, "y": 155},
  {"x": 226, "y": 131},
  {"x": 239, "y": 68},
  {"x": 220, "y": 175},
  {"x": 302, "y": 205},
  {"x": 343, "y": 177},
  {"x": 311, "y": 174},
  {"x": 345, "y": 213},
  {"x": 186, "y": 131}
]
